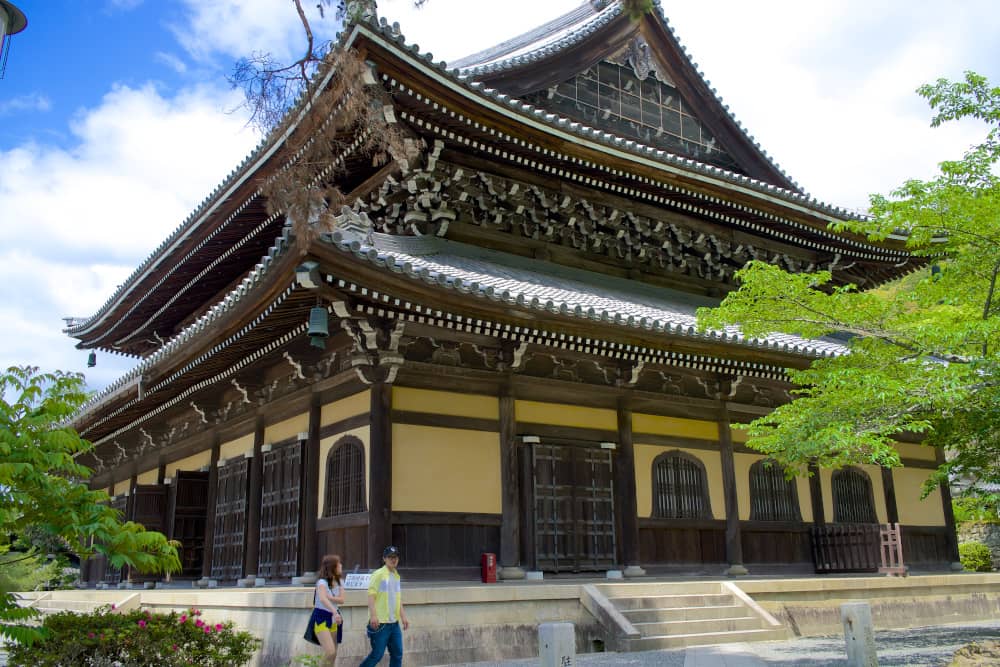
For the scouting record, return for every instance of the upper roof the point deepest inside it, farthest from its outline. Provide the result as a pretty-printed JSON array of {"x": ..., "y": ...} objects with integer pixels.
[{"x": 224, "y": 238}]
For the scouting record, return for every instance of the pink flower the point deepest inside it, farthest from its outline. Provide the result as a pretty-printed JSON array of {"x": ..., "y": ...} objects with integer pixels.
[
  {"x": 218, "y": 627},
  {"x": 208, "y": 629},
  {"x": 183, "y": 618},
  {"x": 197, "y": 612},
  {"x": 199, "y": 623},
  {"x": 174, "y": 647},
  {"x": 90, "y": 635},
  {"x": 142, "y": 624},
  {"x": 113, "y": 606}
]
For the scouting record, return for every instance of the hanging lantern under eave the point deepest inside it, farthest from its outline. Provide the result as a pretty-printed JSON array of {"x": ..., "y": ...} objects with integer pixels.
[
  {"x": 91, "y": 359},
  {"x": 319, "y": 327},
  {"x": 12, "y": 21}
]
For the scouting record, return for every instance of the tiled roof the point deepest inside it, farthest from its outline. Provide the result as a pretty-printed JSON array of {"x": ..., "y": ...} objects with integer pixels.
[{"x": 537, "y": 285}]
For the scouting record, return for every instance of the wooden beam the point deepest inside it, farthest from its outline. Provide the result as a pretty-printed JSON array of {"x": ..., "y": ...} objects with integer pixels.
[
  {"x": 625, "y": 491},
  {"x": 311, "y": 464},
  {"x": 380, "y": 473},
  {"x": 816, "y": 495},
  {"x": 213, "y": 493},
  {"x": 251, "y": 557},
  {"x": 734, "y": 540},
  {"x": 889, "y": 492},
  {"x": 510, "y": 490}
]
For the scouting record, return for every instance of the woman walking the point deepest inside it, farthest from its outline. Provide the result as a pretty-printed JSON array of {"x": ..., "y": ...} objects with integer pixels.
[{"x": 326, "y": 619}]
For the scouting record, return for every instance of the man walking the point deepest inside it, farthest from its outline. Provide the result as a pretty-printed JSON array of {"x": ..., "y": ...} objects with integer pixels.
[{"x": 385, "y": 612}]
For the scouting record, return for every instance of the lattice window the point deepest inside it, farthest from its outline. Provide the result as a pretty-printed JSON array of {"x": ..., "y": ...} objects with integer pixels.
[
  {"x": 345, "y": 478},
  {"x": 853, "y": 500},
  {"x": 680, "y": 487},
  {"x": 773, "y": 497},
  {"x": 612, "y": 97}
]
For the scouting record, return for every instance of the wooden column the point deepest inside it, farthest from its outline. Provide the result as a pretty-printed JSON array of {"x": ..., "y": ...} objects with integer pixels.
[
  {"x": 510, "y": 492},
  {"x": 889, "y": 492},
  {"x": 816, "y": 496},
  {"x": 380, "y": 473},
  {"x": 251, "y": 557},
  {"x": 525, "y": 464},
  {"x": 129, "y": 513},
  {"x": 308, "y": 558},
  {"x": 734, "y": 538},
  {"x": 213, "y": 493},
  {"x": 951, "y": 531},
  {"x": 625, "y": 500},
  {"x": 161, "y": 473}
]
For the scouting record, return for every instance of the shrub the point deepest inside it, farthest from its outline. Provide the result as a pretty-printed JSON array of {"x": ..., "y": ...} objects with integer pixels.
[
  {"x": 975, "y": 556},
  {"x": 137, "y": 638}
]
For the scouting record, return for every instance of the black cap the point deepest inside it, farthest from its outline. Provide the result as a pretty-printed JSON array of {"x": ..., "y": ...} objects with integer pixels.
[{"x": 390, "y": 551}]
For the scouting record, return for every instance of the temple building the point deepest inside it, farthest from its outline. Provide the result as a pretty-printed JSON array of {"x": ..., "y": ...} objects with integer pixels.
[{"x": 493, "y": 349}]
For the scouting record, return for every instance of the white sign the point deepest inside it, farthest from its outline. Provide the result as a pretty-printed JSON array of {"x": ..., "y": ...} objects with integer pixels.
[{"x": 357, "y": 581}]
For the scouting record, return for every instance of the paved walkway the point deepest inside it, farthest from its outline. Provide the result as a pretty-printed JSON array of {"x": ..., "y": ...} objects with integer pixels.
[{"x": 914, "y": 647}]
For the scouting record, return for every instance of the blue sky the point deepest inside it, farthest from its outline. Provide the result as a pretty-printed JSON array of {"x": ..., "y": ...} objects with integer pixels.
[{"x": 116, "y": 119}]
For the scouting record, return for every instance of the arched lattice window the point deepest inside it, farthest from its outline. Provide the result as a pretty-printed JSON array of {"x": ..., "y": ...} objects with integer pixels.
[
  {"x": 772, "y": 496},
  {"x": 853, "y": 501},
  {"x": 345, "y": 478},
  {"x": 680, "y": 487}
]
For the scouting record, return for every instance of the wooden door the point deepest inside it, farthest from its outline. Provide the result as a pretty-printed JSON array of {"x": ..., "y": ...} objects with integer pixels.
[
  {"x": 574, "y": 518},
  {"x": 279, "y": 512},
  {"x": 149, "y": 508},
  {"x": 230, "y": 520},
  {"x": 189, "y": 504}
]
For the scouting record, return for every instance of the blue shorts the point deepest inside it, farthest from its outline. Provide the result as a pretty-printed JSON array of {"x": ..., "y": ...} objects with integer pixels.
[{"x": 322, "y": 621}]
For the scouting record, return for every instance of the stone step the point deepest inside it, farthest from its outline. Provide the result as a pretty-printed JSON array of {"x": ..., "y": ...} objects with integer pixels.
[
  {"x": 636, "y": 616},
  {"x": 673, "y": 601},
  {"x": 659, "y": 642},
  {"x": 645, "y": 589},
  {"x": 672, "y": 628}
]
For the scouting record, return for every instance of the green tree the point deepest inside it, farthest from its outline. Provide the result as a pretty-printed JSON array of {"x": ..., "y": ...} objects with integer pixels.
[
  {"x": 43, "y": 488},
  {"x": 924, "y": 350}
]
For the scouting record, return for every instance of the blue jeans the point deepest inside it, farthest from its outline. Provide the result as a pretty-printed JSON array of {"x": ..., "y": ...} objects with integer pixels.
[{"x": 388, "y": 635}]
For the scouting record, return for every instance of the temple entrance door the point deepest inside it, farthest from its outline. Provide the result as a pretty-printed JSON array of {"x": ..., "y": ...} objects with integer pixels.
[
  {"x": 188, "y": 502},
  {"x": 230, "y": 519},
  {"x": 573, "y": 508},
  {"x": 279, "y": 512},
  {"x": 149, "y": 508}
]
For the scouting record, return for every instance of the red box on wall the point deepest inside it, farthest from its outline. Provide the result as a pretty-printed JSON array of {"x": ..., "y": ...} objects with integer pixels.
[{"x": 488, "y": 568}]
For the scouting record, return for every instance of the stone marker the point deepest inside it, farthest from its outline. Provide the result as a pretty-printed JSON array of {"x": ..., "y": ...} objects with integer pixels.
[
  {"x": 859, "y": 634},
  {"x": 556, "y": 645}
]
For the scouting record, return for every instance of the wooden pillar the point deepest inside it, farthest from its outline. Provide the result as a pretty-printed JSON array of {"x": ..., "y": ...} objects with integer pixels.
[
  {"x": 526, "y": 466},
  {"x": 161, "y": 473},
  {"x": 625, "y": 493},
  {"x": 380, "y": 473},
  {"x": 510, "y": 492},
  {"x": 133, "y": 481},
  {"x": 213, "y": 494},
  {"x": 889, "y": 491},
  {"x": 816, "y": 496},
  {"x": 308, "y": 558},
  {"x": 951, "y": 531},
  {"x": 251, "y": 557},
  {"x": 734, "y": 538}
]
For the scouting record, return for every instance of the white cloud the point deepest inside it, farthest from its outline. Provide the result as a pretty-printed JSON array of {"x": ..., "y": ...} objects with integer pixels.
[
  {"x": 77, "y": 221},
  {"x": 171, "y": 61},
  {"x": 32, "y": 102}
]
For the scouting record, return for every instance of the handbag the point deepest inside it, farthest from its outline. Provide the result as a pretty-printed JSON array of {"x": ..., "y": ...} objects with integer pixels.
[{"x": 310, "y": 635}]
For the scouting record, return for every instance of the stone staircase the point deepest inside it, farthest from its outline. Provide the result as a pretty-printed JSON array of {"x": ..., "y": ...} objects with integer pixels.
[{"x": 650, "y": 616}]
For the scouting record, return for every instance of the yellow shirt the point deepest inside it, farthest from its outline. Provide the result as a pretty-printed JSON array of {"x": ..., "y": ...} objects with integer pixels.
[{"x": 384, "y": 585}]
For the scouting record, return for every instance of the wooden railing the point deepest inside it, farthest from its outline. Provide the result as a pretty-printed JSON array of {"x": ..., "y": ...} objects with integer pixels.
[{"x": 858, "y": 547}]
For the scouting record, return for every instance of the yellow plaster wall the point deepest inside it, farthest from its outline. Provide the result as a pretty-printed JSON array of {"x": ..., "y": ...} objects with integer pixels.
[
  {"x": 913, "y": 511},
  {"x": 356, "y": 404},
  {"x": 445, "y": 403},
  {"x": 120, "y": 487},
  {"x": 195, "y": 462},
  {"x": 148, "y": 477},
  {"x": 874, "y": 474},
  {"x": 742, "y": 463},
  {"x": 909, "y": 450},
  {"x": 559, "y": 414},
  {"x": 445, "y": 470},
  {"x": 237, "y": 447},
  {"x": 644, "y": 456},
  {"x": 676, "y": 426},
  {"x": 286, "y": 429},
  {"x": 363, "y": 434}
]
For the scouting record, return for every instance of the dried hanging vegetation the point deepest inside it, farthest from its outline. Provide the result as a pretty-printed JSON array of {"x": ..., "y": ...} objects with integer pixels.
[{"x": 337, "y": 114}]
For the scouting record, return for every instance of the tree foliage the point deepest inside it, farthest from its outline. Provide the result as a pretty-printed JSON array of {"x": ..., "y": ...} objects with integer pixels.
[
  {"x": 925, "y": 351},
  {"x": 43, "y": 489}
]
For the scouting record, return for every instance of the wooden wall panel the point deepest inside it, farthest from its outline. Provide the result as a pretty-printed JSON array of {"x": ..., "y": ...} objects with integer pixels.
[
  {"x": 776, "y": 543},
  {"x": 669, "y": 542}
]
